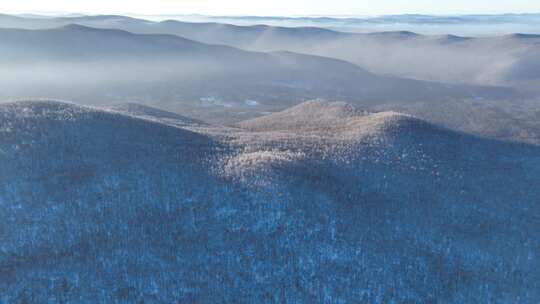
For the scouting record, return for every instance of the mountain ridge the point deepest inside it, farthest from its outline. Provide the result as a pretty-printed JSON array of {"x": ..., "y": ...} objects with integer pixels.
[
  {"x": 194, "y": 71},
  {"x": 245, "y": 210}
]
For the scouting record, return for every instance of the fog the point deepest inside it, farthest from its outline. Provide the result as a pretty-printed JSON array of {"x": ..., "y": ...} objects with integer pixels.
[
  {"x": 431, "y": 58},
  {"x": 444, "y": 58},
  {"x": 440, "y": 56},
  {"x": 223, "y": 73},
  {"x": 463, "y": 25}
]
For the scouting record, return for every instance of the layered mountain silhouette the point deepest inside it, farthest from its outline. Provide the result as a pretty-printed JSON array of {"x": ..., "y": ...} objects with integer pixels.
[
  {"x": 496, "y": 60},
  {"x": 100, "y": 205},
  {"x": 486, "y": 60},
  {"x": 226, "y": 85},
  {"x": 88, "y": 64}
]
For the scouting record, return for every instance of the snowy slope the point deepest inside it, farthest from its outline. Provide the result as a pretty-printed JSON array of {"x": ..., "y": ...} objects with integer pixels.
[{"x": 100, "y": 206}]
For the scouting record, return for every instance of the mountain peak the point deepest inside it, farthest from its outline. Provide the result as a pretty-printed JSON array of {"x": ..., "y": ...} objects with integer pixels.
[
  {"x": 324, "y": 108},
  {"x": 324, "y": 117}
]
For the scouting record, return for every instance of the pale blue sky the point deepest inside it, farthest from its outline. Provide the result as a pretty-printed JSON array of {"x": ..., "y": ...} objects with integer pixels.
[{"x": 273, "y": 7}]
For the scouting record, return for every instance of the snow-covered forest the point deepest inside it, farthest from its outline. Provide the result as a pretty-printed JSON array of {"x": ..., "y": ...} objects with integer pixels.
[{"x": 320, "y": 203}]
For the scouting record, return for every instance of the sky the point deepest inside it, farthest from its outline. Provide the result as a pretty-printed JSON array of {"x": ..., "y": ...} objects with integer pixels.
[{"x": 271, "y": 7}]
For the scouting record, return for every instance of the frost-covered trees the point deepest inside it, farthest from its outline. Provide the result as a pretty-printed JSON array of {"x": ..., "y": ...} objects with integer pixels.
[{"x": 97, "y": 206}]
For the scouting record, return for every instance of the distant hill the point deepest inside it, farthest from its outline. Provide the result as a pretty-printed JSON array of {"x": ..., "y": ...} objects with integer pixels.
[
  {"x": 488, "y": 60},
  {"x": 219, "y": 84},
  {"x": 445, "y": 58},
  {"x": 86, "y": 64},
  {"x": 316, "y": 114},
  {"x": 99, "y": 205},
  {"x": 511, "y": 120}
]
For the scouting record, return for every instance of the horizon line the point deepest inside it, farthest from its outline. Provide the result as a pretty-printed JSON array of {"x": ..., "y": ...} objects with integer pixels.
[{"x": 292, "y": 16}]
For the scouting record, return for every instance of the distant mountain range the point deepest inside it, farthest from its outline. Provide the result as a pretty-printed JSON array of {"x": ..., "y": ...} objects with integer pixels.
[
  {"x": 468, "y": 25},
  {"x": 108, "y": 65},
  {"x": 356, "y": 22},
  {"x": 102, "y": 205},
  {"x": 474, "y": 25},
  {"x": 405, "y": 18},
  {"x": 498, "y": 60},
  {"x": 203, "y": 69},
  {"x": 494, "y": 60}
]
